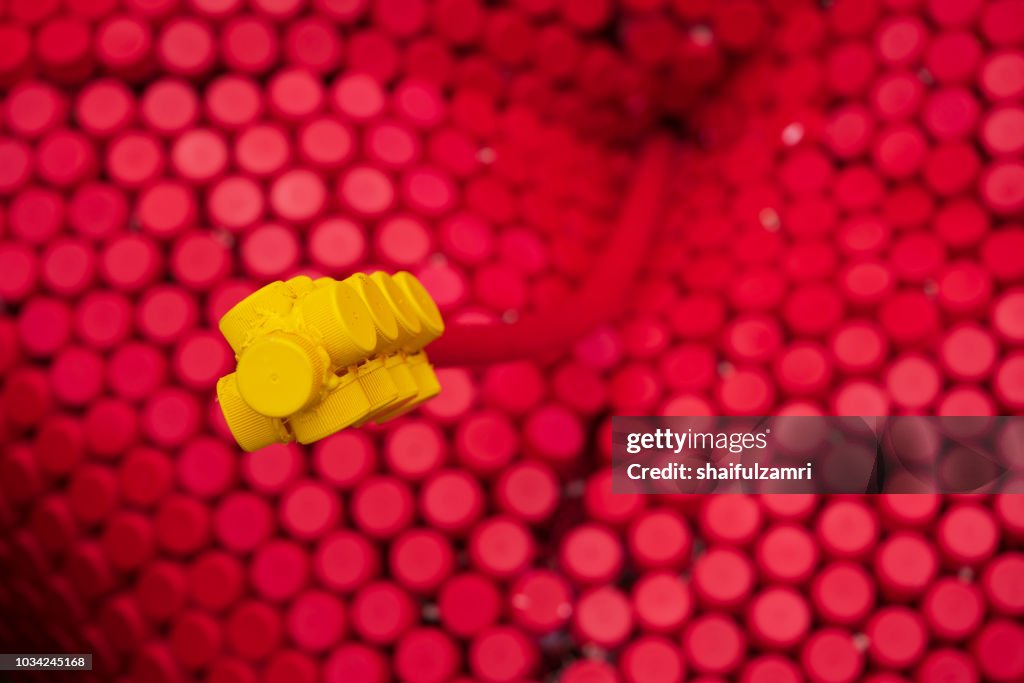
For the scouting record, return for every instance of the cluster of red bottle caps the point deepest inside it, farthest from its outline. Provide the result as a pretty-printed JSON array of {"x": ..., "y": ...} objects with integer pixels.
[{"x": 842, "y": 236}]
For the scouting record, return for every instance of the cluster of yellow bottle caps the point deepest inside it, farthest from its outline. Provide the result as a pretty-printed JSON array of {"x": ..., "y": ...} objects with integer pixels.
[{"x": 315, "y": 357}]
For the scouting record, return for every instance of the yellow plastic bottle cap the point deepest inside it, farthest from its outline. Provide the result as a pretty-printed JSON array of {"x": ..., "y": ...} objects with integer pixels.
[
  {"x": 377, "y": 383},
  {"x": 427, "y": 387},
  {"x": 251, "y": 430},
  {"x": 380, "y": 311},
  {"x": 409, "y": 325},
  {"x": 300, "y": 285},
  {"x": 323, "y": 282},
  {"x": 344, "y": 406},
  {"x": 240, "y": 324},
  {"x": 337, "y": 315},
  {"x": 280, "y": 374},
  {"x": 398, "y": 366},
  {"x": 424, "y": 305}
]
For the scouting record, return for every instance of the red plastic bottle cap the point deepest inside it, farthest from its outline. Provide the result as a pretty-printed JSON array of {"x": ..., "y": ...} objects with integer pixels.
[
  {"x": 1007, "y": 381},
  {"x": 233, "y": 101},
  {"x": 863, "y": 235},
  {"x": 165, "y": 209},
  {"x": 1001, "y": 187},
  {"x": 230, "y": 670},
  {"x": 195, "y": 639},
  {"x": 502, "y": 654},
  {"x": 358, "y": 96},
  {"x": 451, "y": 500},
  {"x": 92, "y": 493},
  {"x": 541, "y": 601},
  {"x": 215, "y": 9},
  {"x": 913, "y": 382},
  {"x": 689, "y": 367},
  {"x": 165, "y": 313},
  {"x": 453, "y": 150},
  {"x": 249, "y": 44},
  {"x": 59, "y": 445},
  {"x": 779, "y": 618},
  {"x": 953, "y": 609},
  {"x": 316, "y": 620},
  {"x": 294, "y": 94},
  {"x": 428, "y": 191},
  {"x": 899, "y": 151},
  {"x": 206, "y": 467},
  {"x": 134, "y": 159},
  {"x": 77, "y": 375},
  {"x": 603, "y": 617},
  {"x": 590, "y": 671},
  {"x": 235, "y": 203},
  {"x": 999, "y": 22},
  {"x": 1002, "y": 75},
  {"x": 243, "y": 521},
  {"x": 803, "y": 369},
  {"x": 554, "y": 434},
  {"x": 160, "y": 590},
  {"x": 1000, "y": 131},
  {"x": 270, "y": 251},
  {"x": 312, "y": 43},
  {"x": 273, "y": 468},
  {"x": 403, "y": 241},
  {"x": 514, "y": 388},
  {"x": 896, "y": 96},
  {"x": 948, "y": 664},
  {"x": 425, "y": 655},
  {"x": 660, "y": 538},
  {"x": 843, "y": 593},
  {"x": 44, "y": 326},
  {"x": 951, "y": 168},
  {"x": 145, "y": 476},
  {"x": 124, "y": 45},
  {"x": 964, "y": 288},
  {"x": 135, "y": 370},
  {"x": 253, "y": 630},
  {"x": 262, "y": 149},
  {"x": 111, "y": 427},
  {"x": 354, "y": 661},
  {"x": 713, "y": 644},
  {"x": 127, "y": 540},
  {"x": 866, "y": 283},
  {"x": 914, "y": 511},
  {"x": 900, "y": 41},
  {"x": 344, "y": 459},
  {"x": 381, "y": 612},
  {"x": 97, "y": 211},
  {"x": 501, "y": 547},
  {"x": 953, "y": 56},
  {"x": 1001, "y": 584},
  {"x": 68, "y": 266},
  {"x": 486, "y": 442},
  {"x": 200, "y": 359},
  {"x": 470, "y": 602},
  {"x": 898, "y": 638},
  {"x": 345, "y": 561},
  {"x": 382, "y": 506},
  {"x": 15, "y": 165},
  {"x": 366, "y": 190},
  {"x": 186, "y": 47},
  {"x": 65, "y": 158},
  {"x": 722, "y": 578},
  {"x": 848, "y": 528},
  {"x": 592, "y": 554},
  {"x": 831, "y": 656},
  {"x": 745, "y": 392},
  {"x": 950, "y": 113},
  {"x": 199, "y": 155},
  {"x": 182, "y": 524},
  {"x": 421, "y": 559},
  {"x": 909, "y": 318},
  {"x": 752, "y": 337},
  {"x": 18, "y": 271},
  {"x": 777, "y": 669},
  {"x": 34, "y": 108},
  {"x": 414, "y": 449},
  {"x": 309, "y": 509},
  {"x": 786, "y": 553},
  {"x": 967, "y": 535},
  {"x": 961, "y": 223},
  {"x": 906, "y": 564},
  {"x": 447, "y": 285},
  {"x": 215, "y": 580},
  {"x": 104, "y": 107},
  {"x": 199, "y": 260},
  {"x": 418, "y": 102},
  {"x": 326, "y": 143},
  {"x": 336, "y": 244},
  {"x": 998, "y": 650},
  {"x": 528, "y": 490},
  {"x": 279, "y": 570},
  {"x": 298, "y": 196},
  {"x": 661, "y": 601},
  {"x": 171, "y": 417},
  {"x": 36, "y": 215},
  {"x": 169, "y": 107}
]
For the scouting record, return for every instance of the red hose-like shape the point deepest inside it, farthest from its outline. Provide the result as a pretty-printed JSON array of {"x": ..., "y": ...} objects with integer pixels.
[{"x": 598, "y": 300}]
